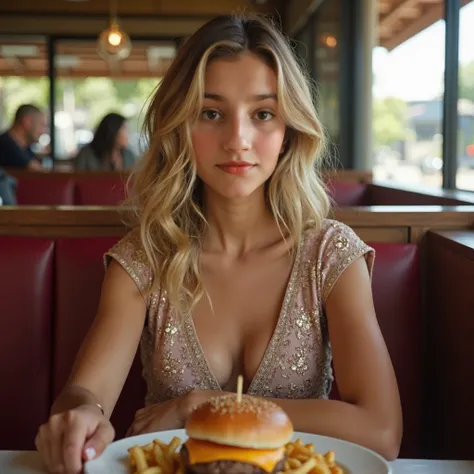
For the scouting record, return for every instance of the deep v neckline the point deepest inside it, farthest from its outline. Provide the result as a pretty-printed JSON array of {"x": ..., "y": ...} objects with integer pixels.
[{"x": 207, "y": 376}]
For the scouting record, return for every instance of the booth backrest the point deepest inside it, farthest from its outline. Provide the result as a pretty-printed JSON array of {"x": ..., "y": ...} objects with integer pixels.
[
  {"x": 69, "y": 190},
  {"x": 396, "y": 287},
  {"x": 99, "y": 191},
  {"x": 26, "y": 295},
  {"x": 109, "y": 190},
  {"x": 45, "y": 191},
  {"x": 78, "y": 272},
  {"x": 348, "y": 193}
]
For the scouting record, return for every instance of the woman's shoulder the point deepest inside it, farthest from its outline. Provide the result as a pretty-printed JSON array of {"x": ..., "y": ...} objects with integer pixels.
[
  {"x": 86, "y": 158},
  {"x": 331, "y": 248},
  {"x": 130, "y": 253},
  {"x": 85, "y": 150},
  {"x": 333, "y": 232}
]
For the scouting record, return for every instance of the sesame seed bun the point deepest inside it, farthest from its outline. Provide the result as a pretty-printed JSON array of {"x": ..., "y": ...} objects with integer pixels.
[{"x": 253, "y": 423}]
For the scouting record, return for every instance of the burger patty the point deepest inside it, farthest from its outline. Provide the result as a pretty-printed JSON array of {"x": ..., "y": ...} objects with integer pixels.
[{"x": 226, "y": 467}]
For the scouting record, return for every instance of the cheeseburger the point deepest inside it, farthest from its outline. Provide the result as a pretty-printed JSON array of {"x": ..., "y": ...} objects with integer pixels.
[{"x": 236, "y": 437}]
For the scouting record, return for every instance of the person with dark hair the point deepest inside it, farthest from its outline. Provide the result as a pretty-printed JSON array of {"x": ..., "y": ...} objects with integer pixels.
[
  {"x": 15, "y": 144},
  {"x": 108, "y": 149}
]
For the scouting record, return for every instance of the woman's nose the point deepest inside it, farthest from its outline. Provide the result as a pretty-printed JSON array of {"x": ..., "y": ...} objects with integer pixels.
[{"x": 238, "y": 135}]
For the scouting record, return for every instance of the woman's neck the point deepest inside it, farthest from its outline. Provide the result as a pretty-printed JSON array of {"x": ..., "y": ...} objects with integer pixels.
[{"x": 238, "y": 226}]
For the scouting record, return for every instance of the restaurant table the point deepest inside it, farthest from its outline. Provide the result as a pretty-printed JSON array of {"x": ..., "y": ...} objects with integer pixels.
[{"x": 28, "y": 462}]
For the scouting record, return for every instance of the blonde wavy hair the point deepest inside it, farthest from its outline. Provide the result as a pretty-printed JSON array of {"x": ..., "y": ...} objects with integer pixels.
[{"x": 167, "y": 193}]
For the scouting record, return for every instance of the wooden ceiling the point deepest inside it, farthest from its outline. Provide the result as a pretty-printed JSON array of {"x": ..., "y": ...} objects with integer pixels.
[
  {"x": 87, "y": 18},
  {"x": 137, "y": 7},
  {"x": 399, "y": 20},
  {"x": 80, "y": 58}
]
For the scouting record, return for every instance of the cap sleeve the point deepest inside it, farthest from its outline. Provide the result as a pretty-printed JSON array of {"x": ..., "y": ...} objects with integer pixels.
[
  {"x": 130, "y": 254},
  {"x": 340, "y": 247}
]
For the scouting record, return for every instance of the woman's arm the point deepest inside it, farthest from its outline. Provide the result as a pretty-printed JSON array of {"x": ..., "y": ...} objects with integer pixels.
[
  {"x": 76, "y": 430},
  {"x": 107, "y": 353},
  {"x": 370, "y": 413}
]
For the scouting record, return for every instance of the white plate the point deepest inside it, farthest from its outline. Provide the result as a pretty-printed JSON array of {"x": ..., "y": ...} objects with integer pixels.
[{"x": 353, "y": 458}]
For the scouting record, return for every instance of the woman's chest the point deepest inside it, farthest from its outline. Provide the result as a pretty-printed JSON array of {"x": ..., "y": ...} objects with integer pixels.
[
  {"x": 236, "y": 323},
  {"x": 264, "y": 323}
]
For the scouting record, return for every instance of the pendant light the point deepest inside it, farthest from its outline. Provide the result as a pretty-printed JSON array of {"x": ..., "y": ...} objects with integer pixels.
[{"x": 113, "y": 43}]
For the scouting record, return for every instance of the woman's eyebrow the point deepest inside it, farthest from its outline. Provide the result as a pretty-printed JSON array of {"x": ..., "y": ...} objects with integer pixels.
[{"x": 255, "y": 98}]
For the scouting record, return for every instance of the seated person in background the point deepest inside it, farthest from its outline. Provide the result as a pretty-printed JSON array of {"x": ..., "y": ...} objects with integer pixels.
[
  {"x": 15, "y": 143},
  {"x": 108, "y": 149},
  {"x": 233, "y": 266},
  {"x": 7, "y": 189}
]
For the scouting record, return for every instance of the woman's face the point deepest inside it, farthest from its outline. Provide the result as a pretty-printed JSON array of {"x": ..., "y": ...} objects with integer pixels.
[
  {"x": 122, "y": 136},
  {"x": 239, "y": 135}
]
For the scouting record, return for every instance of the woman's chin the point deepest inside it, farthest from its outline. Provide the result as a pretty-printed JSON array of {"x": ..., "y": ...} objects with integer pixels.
[
  {"x": 237, "y": 195},
  {"x": 234, "y": 193}
]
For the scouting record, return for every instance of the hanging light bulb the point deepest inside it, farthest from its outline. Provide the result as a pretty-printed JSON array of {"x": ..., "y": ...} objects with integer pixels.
[
  {"x": 115, "y": 38},
  {"x": 114, "y": 43}
]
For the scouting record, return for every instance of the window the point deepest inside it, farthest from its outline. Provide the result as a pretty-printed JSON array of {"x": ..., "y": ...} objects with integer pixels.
[
  {"x": 465, "y": 139},
  {"x": 88, "y": 88},
  {"x": 23, "y": 79},
  {"x": 408, "y": 98}
]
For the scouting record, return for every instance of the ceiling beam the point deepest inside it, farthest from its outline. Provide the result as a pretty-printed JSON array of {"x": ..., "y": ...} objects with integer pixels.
[
  {"x": 137, "y": 7},
  {"x": 387, "y": 22},
  {"x": 395, "y": 38},
  {"x": 83, "y": 25}
]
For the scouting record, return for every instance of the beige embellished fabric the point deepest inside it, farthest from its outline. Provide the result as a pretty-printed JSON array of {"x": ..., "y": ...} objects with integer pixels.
[{"x": 297, "y": 362}]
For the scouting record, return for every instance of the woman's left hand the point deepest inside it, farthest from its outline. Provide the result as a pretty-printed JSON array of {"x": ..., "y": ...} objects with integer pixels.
[{"x": 170, "y": 415}]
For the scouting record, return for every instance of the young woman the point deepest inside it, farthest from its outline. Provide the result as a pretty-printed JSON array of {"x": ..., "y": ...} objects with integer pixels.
[
  {"x": 108, "y": 149},
  {"x": 233, "y": 267}
]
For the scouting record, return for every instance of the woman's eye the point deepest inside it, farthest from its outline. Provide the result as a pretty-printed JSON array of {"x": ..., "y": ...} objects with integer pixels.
[
  {"x": 264, "y": 115},
  {"x": 210, "y": 114}
]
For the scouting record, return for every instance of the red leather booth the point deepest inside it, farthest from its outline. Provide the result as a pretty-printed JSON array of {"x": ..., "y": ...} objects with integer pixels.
[
  {"x": 79, "y": 274},
  {"x": 101, "y": 190},
  {"x": 26, "y": 352},
  {"x": 109, "y": 190},
  {"x": 348, "y": 193},
  {"x": 45, "y": 191},
  {"x": 50, "y": 289},
  {"x": 70, "y": 190}
]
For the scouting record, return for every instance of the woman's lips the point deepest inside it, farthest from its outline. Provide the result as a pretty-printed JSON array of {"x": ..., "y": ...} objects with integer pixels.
[{"x": 239, "y": 167}]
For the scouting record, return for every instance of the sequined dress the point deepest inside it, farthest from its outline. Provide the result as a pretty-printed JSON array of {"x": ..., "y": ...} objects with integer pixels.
[{"x": 297, "y": 361}]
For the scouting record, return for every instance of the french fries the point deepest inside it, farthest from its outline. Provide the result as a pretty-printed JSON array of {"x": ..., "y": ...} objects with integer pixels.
[
  {"x": 302, "y": 459},
  {"x": 156, "y": 458},
  {"x": 161, "y": 458}
]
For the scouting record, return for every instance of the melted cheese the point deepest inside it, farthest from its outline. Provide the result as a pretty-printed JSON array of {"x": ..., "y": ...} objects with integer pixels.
[{"x": 205, "y": 452}]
